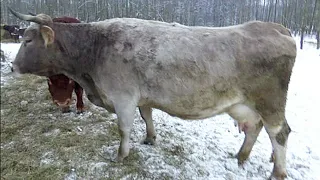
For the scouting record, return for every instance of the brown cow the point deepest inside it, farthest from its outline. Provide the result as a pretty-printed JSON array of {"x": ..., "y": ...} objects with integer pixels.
[{"x": 61, "y": 87}]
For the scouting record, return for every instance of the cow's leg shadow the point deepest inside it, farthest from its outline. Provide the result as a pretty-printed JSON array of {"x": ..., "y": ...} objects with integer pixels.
[
  {"x": 249, "y": 121},
  {"x": 146, "y": 114}
]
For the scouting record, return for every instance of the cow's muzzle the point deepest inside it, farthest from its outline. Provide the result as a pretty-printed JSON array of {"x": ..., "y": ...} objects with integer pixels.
[{"x": 64, "y": 106}]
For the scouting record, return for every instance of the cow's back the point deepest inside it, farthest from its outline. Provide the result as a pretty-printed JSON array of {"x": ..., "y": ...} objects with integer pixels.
[
  {"x": 196, "y": 72},
  {"x": 193, "y": 72}
]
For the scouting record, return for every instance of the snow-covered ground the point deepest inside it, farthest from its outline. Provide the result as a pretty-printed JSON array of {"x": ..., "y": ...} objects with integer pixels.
[
  {"x": 10, "y": 50},
  {"x": 208, "y": 145}
]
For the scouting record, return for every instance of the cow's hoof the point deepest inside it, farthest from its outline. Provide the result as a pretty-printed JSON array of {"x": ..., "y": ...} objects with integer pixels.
[
  {"x": 283, "y": 177},
  {"x": 278, "y": 174},
  {"x": 242, "y": 157},
  {"x": 80, "y": 110},
  {"x": 117, "y": 159},
  {"x": 150, "y": 141}
]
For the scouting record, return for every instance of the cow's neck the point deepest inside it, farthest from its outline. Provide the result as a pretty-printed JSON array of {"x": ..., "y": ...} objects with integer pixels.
[{"x": 76, "y": 43}]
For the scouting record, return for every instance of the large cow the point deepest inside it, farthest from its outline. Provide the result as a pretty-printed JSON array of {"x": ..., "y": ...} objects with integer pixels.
[
  {"x": 61, "y": 87},
  {"x": 188, "y": 72}
]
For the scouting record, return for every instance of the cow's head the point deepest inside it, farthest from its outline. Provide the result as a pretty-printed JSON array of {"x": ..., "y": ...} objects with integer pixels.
[
  {"x": 37, "y": 52},
  {"x": 61, "y": 88}
]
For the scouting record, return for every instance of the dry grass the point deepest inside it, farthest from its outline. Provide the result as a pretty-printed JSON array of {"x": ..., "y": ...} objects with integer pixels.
[{"x": 37, "y": 141}]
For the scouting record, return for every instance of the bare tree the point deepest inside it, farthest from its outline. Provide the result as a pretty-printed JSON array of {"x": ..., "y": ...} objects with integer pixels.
[
  {"x": 313, "y": 14},
  {"x": 298, "y": 15}
]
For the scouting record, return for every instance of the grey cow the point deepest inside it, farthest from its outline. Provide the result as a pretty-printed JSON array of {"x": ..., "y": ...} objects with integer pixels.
[{"x": 188, "y": 72}]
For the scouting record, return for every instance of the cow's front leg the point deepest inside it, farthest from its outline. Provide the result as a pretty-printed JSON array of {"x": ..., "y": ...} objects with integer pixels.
[
  {"x": 79, "y": 93},
  {"x": 146, "y": 114},
  {"x": 125, "y": 110},
  {"x": 249, "y": 121}
]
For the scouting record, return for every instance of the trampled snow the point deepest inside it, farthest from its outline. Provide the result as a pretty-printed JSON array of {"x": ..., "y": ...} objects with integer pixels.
[{"x": 208, "y": 145}]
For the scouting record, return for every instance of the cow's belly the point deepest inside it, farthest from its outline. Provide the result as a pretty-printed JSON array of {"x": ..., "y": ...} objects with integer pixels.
[{"x": 202, "y": 105}]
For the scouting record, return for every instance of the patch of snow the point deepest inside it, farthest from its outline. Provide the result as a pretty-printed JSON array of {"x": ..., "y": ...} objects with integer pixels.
[
  {"x": 79, "y": 129},
  {"x": 24, "y": 103},
  {"x": 72, "y": 175},
  {"x": 8, "y": 145},
  {"x": 309, "y": 42},
  {"x": 53, "y": 132},
  {"x": 47, "y": 158},
  {"x": 98, "y": 168},
  {"x": 10, "y": 50}
]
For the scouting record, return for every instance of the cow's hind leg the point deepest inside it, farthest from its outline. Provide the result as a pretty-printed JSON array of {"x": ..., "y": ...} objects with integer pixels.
[
  {"x": 146, "y": 114},
  {"x": 249, "y": 121},
  {"x": 271, "y": 106},
  {"x": 278, "y": 133}
]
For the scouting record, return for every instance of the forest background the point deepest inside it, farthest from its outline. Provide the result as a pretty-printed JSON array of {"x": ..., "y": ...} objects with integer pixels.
[{"x": 300, "y": 16}]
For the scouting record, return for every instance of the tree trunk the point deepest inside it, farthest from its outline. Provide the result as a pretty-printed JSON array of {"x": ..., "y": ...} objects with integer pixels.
[
  {"x": 318, "y": 39},
  {"x": 275, "y": 11},
  {"x": 312, "y": 17},
  {"x": 263, "y": 11},
  {"x": 301, "y": 38},
  {"x": 270, "y": 8}
]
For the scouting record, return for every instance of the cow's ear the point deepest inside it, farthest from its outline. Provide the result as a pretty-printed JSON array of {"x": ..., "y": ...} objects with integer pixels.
[{"x": 47, "y": 34}]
